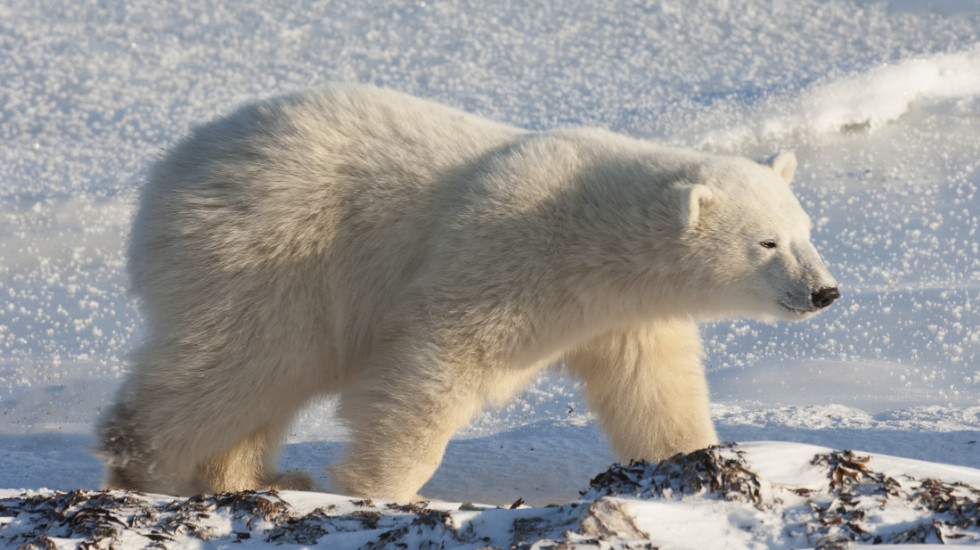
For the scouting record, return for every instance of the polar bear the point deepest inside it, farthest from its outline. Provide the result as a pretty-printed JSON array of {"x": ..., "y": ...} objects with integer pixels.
[{"x": 421, "y": 263}]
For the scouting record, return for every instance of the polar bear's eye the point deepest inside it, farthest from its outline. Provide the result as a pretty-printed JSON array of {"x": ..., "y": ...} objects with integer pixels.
[{"x": 768, "y": 243}]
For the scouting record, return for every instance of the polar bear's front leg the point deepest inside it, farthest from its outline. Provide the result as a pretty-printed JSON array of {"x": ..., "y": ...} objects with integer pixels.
[{"x": 648, "y": 388}]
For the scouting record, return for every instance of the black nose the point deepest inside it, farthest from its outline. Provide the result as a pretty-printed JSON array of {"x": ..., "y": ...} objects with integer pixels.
[{"x": 824, "y": 297}]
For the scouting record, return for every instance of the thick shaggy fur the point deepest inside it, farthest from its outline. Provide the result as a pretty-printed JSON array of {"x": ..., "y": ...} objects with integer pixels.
[{"x": 422, "y": 262}]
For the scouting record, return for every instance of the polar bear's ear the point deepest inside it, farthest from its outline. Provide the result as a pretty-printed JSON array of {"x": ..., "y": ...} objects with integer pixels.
[
  {"x": 697, "y": 196},
  {"x": 784, "y": 164}
]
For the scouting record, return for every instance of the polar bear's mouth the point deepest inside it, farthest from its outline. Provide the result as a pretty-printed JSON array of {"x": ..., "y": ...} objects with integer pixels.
[{"x": 795, "y": 310}]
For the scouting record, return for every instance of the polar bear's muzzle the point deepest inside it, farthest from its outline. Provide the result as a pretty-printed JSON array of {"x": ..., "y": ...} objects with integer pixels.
[{"x": 803, "y": 306}]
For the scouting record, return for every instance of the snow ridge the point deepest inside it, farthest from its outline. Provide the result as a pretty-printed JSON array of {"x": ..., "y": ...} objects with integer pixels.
[
  {"x": 855, "y": 102},
  {"x": 834, "y": 498}
]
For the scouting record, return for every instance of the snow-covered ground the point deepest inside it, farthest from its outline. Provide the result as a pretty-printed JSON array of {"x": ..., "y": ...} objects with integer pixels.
[
  {"x": 761, "y": 495},
  {"x": 880, "y": 100}
]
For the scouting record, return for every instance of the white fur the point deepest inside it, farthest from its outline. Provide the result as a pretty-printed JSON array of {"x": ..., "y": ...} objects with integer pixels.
[{"x": 422, "y": 262}]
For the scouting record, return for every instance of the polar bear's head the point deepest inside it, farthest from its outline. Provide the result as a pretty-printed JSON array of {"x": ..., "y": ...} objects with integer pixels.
[{"x": 751, "y": 240}]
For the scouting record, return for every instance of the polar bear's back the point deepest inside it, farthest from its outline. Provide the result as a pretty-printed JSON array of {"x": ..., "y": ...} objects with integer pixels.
[{"x": 295, "y": 158}]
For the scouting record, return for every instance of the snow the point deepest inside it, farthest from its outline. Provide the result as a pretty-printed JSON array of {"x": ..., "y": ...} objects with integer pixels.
[{"x": 880, "y": 100}]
